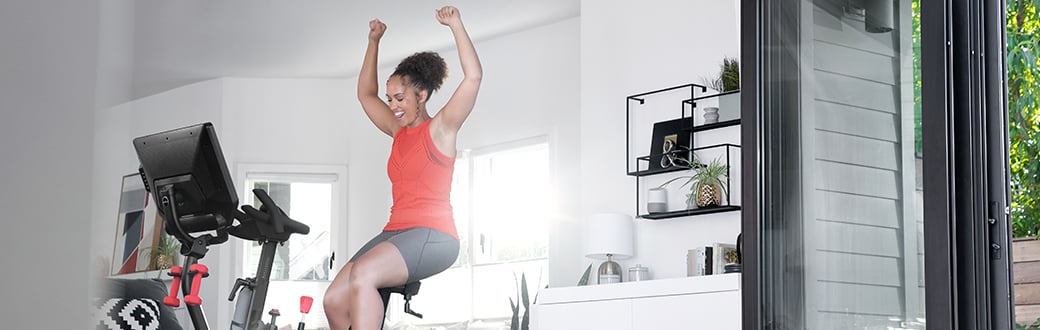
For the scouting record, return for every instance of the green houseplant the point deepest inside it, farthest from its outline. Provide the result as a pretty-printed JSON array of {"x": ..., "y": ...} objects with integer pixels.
[
  {"x": 694, "y": 168},
  {"x": 584, "y": 280},
  {"x": 727, "y": 78},
  {"x": 162, "y": 255},
  {"x": 726, "y": 81},
  {"x": 708, "y": 183},
  {"x": 517, "y": 322}
]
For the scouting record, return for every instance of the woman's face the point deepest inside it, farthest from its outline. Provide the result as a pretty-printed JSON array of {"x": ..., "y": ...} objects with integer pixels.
[{"x": 404, "y": 100}]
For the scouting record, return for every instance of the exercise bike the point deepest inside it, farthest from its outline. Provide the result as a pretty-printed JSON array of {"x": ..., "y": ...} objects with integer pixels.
[{"x": 185, "y": 171}]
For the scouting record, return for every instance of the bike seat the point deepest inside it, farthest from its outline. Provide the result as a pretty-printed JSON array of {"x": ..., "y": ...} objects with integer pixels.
[{"x": 407, "y": 291}]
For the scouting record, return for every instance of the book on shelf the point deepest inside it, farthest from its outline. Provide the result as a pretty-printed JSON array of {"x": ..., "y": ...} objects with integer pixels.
[
  {"x": 699, "y": 261},
  {"x": 724, "y": 254}
]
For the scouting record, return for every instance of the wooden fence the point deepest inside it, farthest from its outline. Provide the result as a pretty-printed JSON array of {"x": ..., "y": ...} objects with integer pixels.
[{"x": 1027, "y": 279}]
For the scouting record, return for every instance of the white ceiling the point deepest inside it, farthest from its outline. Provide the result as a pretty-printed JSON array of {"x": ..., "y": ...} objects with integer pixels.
[{"x": 185, "y": 41}]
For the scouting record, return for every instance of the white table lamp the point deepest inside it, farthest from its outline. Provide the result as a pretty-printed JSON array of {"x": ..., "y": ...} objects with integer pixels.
[{"x": 608, "y": 236}]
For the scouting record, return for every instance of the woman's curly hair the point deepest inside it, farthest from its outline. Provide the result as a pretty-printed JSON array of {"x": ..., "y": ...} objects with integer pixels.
[{"x": 423, "y": 70}]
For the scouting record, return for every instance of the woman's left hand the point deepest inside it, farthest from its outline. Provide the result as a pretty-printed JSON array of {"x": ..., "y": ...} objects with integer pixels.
[{"x": 449, "y": 16}]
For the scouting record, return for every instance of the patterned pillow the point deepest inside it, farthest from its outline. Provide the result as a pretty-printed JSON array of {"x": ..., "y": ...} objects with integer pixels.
[{"x": 126, "y": 314}]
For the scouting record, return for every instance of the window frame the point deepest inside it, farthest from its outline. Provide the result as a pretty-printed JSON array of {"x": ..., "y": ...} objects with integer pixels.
[
  {"x": 336, "y": 175},
  {"x": 962, "y": 94},
  {"x": 470, "y": 156}
]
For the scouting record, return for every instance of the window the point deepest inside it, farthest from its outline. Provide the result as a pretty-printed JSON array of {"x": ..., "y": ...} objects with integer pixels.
[
  {"x": 501, "y": 200},
  {"x": 311, "y": 195},
  {"x": 303, "y": 257}
]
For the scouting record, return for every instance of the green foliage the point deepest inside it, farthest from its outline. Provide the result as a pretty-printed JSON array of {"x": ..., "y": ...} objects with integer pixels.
[
  {"x": 1031, "y": 326},
  {"x": 168, "y": 246},
  {"x": 706, "y": 175},
  {"x": 703, "y": 175},
  {"x": 915, "y": 12},
  {"x": 728, "y": 77},
  {"x": 1023, "y": 100},
  {"x": 518, "y": 322},
  {"x": 585, "y": 277},
  {"x": 711, "y": 174}
]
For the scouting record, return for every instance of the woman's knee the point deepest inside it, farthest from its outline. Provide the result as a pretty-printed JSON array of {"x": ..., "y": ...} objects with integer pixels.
[
  {"x": 336, "y": 294},
  {"x": 335, "y": 299}
]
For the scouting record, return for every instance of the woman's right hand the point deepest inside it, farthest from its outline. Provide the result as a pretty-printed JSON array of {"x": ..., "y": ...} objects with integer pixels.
[{"x": 376, "y": 30}]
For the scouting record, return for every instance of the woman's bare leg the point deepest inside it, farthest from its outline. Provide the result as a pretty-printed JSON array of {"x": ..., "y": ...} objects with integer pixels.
[
  {"x": 380, "y": 267},
  {"x": 335, "y": 302}
]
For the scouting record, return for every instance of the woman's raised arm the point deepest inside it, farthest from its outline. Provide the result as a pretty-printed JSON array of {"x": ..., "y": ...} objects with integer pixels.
[
  {"x": 459, "y": 106},
  {"x": 368, "y": 87}
]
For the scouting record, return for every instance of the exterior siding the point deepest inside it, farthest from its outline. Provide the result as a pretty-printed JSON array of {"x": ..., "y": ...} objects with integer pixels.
[{"x": 858, "y": 178}]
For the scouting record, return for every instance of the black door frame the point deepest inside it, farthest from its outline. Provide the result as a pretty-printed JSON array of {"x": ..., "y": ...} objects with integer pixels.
[
  {"x": 967, "y": 266},
  {"x": 967, "y": 226}
]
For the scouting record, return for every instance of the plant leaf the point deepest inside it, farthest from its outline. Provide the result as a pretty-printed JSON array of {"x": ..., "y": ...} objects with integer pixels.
[
  {"x": 515, "y": 324},
  {"x": 523, "y": 290},
  {"x": 585, "y": 277},
  {"x": 525, "y": 324}
]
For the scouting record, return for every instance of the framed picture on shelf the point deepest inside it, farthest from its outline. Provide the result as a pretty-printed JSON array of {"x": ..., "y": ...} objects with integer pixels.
[
  {"x": 139, "y": 228},
  {"x": 724, "y": 253},
  {"x": 667, "y": 142}
]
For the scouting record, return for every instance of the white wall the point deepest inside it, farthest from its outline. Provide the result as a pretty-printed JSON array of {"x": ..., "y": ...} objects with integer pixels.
[
  {"x": 47, "y": 83},
  {"x": 629, "y": 48},
  {"x": 525, "y": 92}
]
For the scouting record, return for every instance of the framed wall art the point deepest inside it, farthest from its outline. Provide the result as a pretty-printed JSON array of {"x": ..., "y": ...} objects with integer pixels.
[{"x": 139, "y": 228}]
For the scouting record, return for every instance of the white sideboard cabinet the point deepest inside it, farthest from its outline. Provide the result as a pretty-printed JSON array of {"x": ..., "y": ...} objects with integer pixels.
[{"x": 704, "y": 302}]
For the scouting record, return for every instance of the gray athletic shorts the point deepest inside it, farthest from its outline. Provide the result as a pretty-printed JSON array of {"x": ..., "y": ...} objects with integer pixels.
[{"x": 426, "y": 251}]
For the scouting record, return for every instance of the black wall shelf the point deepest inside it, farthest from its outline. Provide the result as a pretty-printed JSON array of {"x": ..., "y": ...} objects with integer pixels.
[
  {"x": 708, "y": 127},
  {"x": 640, "y": 166},
  {"x": 731, "y": 149},
  {"x": 684, "y": 213},
  {"x": 693, "y": 100},
  {"x": 679, "y": 168}
]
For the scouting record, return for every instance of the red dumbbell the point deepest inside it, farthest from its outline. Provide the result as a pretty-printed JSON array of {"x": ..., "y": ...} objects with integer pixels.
[
  {"x": 172, "y": 300},
  {"x": 198, "y": 271}
]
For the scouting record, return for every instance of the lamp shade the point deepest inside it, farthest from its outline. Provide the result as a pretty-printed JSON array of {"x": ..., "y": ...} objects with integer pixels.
[{"x": 608, "y": 233}]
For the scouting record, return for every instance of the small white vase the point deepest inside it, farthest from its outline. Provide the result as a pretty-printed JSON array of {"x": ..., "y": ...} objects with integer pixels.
[{"x": 711, "y": 115}]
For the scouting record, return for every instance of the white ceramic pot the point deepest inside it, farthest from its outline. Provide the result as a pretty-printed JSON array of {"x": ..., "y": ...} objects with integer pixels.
[
  {"x": 711, "y": 115},
  {"x": 730, "y": 103},
  {"x": 657, "y": 200}
]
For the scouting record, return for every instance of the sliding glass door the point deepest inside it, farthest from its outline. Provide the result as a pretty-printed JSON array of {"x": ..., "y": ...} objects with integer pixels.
[{"x": 861, "y": 183}]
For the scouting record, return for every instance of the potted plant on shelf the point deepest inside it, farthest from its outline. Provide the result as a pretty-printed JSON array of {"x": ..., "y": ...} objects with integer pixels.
[
  {"x": 657, "y": 197},
  {"x": 709, "y": 186},
  {"x": 162, "y": 255},
  {"x": 726, "y": 80}
]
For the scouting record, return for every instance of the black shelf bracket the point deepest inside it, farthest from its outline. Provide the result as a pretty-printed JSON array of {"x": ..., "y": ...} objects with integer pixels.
[{"x": 692, "y": 101}]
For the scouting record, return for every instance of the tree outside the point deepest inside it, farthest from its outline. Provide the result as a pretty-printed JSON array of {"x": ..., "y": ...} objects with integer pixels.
[
  {"x": 1023, "y": 102},
  {"x": 1023, "y": 42}
]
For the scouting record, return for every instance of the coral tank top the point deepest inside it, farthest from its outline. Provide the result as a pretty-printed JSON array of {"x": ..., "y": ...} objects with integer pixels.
[{"x": 420, "y": 177}]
